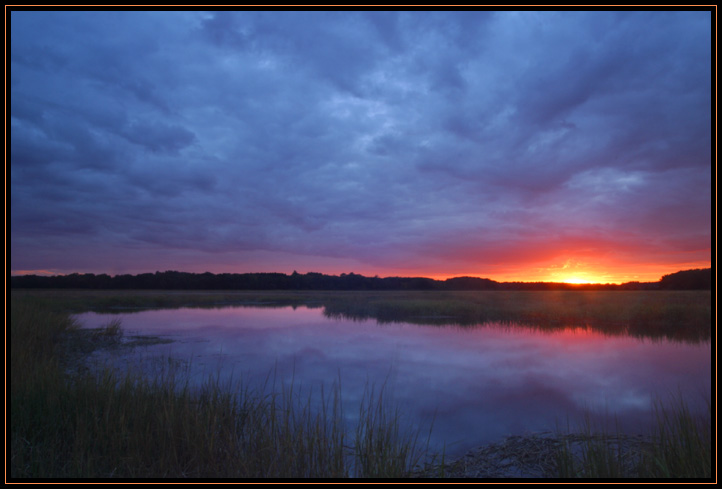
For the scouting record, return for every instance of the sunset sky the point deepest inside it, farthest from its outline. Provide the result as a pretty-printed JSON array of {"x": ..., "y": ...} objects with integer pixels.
[{"x": 554, "y": 146}]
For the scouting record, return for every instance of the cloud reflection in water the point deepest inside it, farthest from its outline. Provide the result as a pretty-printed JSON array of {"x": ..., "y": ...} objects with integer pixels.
[{"x": 478, "y": 384}]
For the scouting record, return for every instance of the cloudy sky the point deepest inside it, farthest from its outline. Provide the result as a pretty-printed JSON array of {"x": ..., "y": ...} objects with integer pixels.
[{"x": 508, "y": 145}]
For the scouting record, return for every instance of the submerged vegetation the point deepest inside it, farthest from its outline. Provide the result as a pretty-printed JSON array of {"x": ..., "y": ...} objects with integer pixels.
[{"x": 70, "y": 423}]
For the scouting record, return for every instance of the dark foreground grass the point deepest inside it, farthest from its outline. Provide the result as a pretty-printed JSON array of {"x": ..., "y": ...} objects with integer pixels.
[
  {"x": 679, "y": 447},
  {"x": 105, "y": 424}
]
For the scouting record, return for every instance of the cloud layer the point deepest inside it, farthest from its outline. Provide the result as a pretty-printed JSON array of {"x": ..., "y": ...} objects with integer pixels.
[{"x": 500, "y": 144}]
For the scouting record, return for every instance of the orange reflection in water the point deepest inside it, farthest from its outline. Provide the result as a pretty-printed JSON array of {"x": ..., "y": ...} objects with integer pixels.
[{"x": 478, "y": 384}]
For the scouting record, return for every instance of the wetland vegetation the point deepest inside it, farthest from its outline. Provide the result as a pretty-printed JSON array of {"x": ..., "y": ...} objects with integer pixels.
[
  {"x": 66, "y": 423},
  {"x": 678, "y": 314},
  {"x": 105, "y": 424}
]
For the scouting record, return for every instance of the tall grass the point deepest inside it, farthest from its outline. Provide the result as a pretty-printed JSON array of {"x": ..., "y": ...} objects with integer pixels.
[
  {"x": 679, "y": 447},
  {"x": 107, "y": 424},
  {"x": 683, "y": 314},
  {"x": 679, "y": 315},
  {"x": 383, "y": 448},
  {"x": 683, "y": 443}
]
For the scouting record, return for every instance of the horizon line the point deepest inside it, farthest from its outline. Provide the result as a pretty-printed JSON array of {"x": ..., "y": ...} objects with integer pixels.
[{"x": 50, "y": 274}]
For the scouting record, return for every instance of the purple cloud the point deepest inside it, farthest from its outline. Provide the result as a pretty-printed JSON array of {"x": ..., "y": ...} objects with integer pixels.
[{"x": 388, "y": 142}]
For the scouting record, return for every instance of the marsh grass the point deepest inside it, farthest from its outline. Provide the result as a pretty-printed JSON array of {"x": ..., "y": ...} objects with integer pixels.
[
  {"x": 683, "y": 443},
  {"x": 384, "y": 447},
  {"x": 107, "y": 424},
  {"x": 679, "y": 447},
  {"x": 111, "y": 331},
  {"x": 110, "y": 424},
  {"x": 678, "y": 315}
]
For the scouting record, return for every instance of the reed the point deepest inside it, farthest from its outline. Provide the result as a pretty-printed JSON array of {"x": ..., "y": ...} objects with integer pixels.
[
  {"x": 384, "y": 448},
  {"x": 126, "y": 425},
  {"x": 679, "y": 447},
  {"x": 107, "y": 424},
  {"x": 678, "y": 315},
  {"x": 683, "y": 442}
]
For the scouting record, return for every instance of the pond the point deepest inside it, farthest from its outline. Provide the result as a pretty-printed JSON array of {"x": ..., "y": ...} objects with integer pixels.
[{"x": 476, "y": 384}]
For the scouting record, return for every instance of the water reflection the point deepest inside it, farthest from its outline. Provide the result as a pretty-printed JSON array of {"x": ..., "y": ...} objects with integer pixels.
[{"x": 479, "y": 384}]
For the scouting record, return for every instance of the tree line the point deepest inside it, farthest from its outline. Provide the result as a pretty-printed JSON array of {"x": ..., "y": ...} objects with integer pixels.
[{"x": 698, "y": 279}]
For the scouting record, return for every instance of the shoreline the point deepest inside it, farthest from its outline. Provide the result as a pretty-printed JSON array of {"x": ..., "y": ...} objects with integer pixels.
[{"x": 536, "y": 456}]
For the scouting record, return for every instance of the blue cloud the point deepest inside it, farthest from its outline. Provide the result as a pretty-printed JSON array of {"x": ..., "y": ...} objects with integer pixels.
[{"x": 372, "y": 137}]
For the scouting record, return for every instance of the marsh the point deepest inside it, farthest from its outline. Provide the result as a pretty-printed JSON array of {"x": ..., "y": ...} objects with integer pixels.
[{"x": 474, "y": 383}]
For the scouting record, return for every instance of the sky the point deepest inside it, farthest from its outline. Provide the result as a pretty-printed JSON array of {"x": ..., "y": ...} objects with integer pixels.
[{"x": 515, "y": 146}]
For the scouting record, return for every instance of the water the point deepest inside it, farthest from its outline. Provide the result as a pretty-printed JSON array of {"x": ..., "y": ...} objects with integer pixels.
[{"x": 476, "y": 384}]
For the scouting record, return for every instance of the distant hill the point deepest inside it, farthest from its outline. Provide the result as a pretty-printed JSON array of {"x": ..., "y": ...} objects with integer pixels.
[{"x": 683, "y": 280}]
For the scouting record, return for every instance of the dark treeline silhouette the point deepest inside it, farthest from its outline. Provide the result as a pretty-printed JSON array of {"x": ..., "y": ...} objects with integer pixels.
[
  {"x": 171, "y": 280},
  {"x": 687, "y": 280}
]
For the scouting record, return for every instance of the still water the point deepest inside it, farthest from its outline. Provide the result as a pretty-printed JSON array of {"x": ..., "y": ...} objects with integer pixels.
[{"x": 477, "y": 384}]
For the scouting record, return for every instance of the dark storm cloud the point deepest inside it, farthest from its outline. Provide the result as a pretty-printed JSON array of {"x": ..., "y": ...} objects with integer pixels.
[
  {"x": 382, "y": 138},
  {"x": 158, "y": 137}
]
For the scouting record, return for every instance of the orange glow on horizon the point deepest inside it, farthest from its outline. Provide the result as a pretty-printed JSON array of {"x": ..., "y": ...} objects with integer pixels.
[
  {"x": 577, "y": 272},
  {"x": 46, "y": 273},
  {"x": 577, "y": 280},
  {"x": 571, "y": 271}
]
